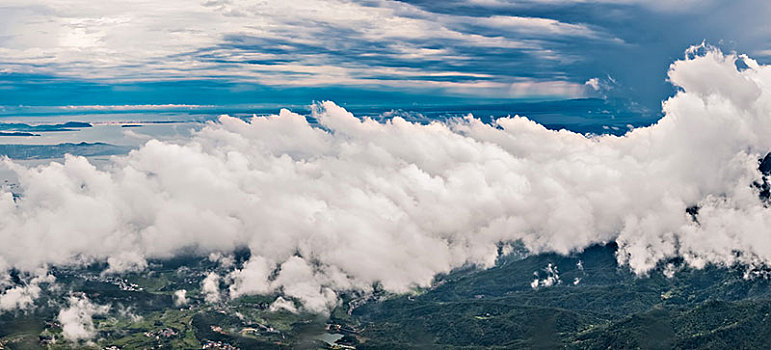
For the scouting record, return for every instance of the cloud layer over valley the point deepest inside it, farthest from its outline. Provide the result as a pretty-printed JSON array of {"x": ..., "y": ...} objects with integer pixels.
[{"x": 351, "y": 202}]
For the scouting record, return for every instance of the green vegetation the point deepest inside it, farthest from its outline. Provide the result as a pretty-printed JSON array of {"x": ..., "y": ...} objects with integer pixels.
[
  {"x": 608, "y": 308},
  {"x": 589, "y": 303}
]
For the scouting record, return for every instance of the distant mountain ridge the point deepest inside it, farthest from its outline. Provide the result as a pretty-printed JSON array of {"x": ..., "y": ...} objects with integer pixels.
[{"x": 20, "y": 151}]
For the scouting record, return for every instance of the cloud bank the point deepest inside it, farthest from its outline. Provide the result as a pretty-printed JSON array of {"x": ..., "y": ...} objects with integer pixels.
[{"x": 353, "y": 203}]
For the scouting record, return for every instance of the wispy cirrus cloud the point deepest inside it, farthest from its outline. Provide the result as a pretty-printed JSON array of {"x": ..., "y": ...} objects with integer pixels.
[
  {"x": 298, "y": 43},
  {"x": 482, "y": 48}
]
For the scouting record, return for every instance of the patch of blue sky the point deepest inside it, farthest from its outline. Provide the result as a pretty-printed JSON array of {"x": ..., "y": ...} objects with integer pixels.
[{"x": 379, "y": 52}]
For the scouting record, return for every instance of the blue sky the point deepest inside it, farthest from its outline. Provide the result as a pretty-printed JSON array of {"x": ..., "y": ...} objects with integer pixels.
[{"x": 367, "y": 52}]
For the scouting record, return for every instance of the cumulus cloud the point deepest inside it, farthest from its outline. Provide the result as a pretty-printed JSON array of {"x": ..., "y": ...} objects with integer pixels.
[
  {"x": 281, "y": 304},
  {"x": 77, "y": 320},
  {"x": 358, "y": 202},
  {"x": 210, "y": 287},
  {"x": 593, "y": 83},
  {"x": 550, "y": 278},
  {"x": 22, "y": 297},
  {"x": 126, "y": 262},
  {"x": 180, "y": 297}
]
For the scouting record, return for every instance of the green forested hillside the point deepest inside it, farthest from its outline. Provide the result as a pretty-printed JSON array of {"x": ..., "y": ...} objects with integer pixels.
[
  {"x": 544, "y": 301},
  {"x": 607, "y": 308}
]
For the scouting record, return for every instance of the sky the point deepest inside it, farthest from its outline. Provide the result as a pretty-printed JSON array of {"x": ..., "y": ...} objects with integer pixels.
[{"x": 69, "y": 52}]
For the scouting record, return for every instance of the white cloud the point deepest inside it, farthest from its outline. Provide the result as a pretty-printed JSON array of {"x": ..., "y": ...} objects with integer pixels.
[
  {"x": 281, "y": 304},
  {"x": 126, "y": 262},
  {"x": 77, "y": 320},
  {"x": 593, "y": 83},
  {"x": 210, "y": 287},
  {"x": 539, "y": 26},
  {"x": 550, "y": 278},
  {"x": 359, "y": 202},
  {"x": 22, "y": 297},
  {"x": 253, "y": 278},
  {"x": 180, "y": 297}
]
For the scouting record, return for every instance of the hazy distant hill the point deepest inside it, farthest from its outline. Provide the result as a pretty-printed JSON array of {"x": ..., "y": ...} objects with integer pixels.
[{"x": 59, "y": 150}]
